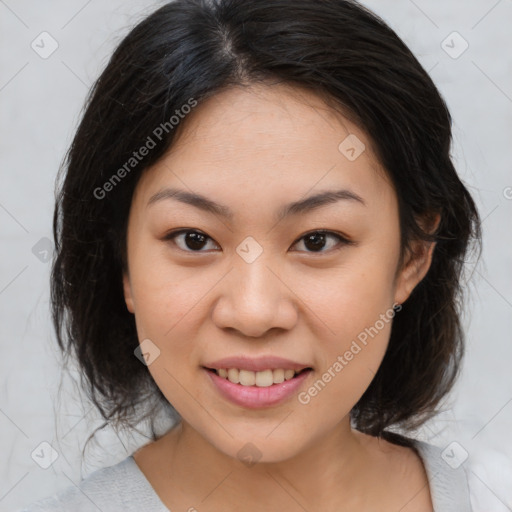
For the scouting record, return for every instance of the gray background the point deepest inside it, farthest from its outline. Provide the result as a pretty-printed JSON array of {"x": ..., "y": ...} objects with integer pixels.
[{"x": 40, "y": 103}]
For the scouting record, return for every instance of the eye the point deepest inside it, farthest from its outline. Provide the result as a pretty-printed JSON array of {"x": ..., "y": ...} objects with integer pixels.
[
  {"x": 190, "y": 240},
  {"x": 317, "y": 241}
]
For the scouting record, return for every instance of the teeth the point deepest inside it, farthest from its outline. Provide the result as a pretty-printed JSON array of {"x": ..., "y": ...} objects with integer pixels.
[
  {"x": 264, "y": 379},
  {"x": 261, "y": 379},
  {"x": 233, "y": 375},
  {"x": 278, "y": 376},
  {"x": 288, "y": 374},
  {"x": 247, "y": 378}
]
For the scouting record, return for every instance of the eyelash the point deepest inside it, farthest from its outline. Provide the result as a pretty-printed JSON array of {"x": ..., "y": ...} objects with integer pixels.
[{"x": 342, "y": 240}]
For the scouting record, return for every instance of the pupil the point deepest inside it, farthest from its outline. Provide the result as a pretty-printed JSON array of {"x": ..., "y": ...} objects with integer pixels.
[
  {"x": 317, "y": 239},
  {"x": 194, "y": 240}
]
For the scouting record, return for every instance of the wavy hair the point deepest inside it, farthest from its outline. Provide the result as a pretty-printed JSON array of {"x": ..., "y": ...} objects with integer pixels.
[{"x": 195, "y": 49}]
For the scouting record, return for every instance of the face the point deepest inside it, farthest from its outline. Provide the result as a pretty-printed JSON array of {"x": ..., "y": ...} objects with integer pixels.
[{"x": 258, "y": 270}]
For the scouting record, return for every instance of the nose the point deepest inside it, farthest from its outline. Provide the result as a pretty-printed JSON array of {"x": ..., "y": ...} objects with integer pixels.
[{"x": 253, "y": 299}]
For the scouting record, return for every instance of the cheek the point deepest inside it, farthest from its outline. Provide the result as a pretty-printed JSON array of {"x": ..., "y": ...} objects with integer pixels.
[
  {"x": 171, "y": 304},
  {"x": 351, "y": 297},
  {"x": 165, "y": 294},
  {"x": 168, "y": 311},
  {"x": 351, "y": 352},
  {"x": 354, "y": 305}
]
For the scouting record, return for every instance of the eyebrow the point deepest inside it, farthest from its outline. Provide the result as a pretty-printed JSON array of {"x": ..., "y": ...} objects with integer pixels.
[{"x": 297, "y": 207}]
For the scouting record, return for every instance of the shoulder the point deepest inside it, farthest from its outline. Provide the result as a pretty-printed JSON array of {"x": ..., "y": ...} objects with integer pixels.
[
  {"x": 439, "y": 474},
  {"x": 489, "y": 471},
  {"x": 466, "y": 482},
  {"x": 479, "y": 480},
  {"x": 447, "y": 476},
  {"x": 121, "y": 487}
]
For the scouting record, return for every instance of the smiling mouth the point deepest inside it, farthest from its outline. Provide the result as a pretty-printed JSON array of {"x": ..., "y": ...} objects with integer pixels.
[{"x": 265, "y": 378}]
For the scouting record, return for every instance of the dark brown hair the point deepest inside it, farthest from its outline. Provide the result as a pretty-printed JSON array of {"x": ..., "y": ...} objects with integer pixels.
[{"x": 193, "y": 49}]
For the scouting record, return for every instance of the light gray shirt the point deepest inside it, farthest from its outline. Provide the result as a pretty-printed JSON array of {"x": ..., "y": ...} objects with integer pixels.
[{"x": 124, "y": 488}]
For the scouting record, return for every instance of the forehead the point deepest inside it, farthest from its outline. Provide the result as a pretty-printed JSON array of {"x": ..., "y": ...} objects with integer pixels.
[{"x": 266, "y": 141}]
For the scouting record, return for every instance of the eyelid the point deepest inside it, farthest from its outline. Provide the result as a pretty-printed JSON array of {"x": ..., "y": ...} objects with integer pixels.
[
  {"x": 174, "y": 233},
  {"x": 341, "y": 236},
  {"x": 344, "y": 240}
]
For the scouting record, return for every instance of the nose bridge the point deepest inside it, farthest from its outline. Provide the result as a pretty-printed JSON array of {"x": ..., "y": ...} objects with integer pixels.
[
  {"x": 254, "y": 299},
  {"x": 256, "y": 283}
]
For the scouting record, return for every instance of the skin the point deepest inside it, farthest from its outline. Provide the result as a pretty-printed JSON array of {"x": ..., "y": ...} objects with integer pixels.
[{"x": 255, "y": 149}]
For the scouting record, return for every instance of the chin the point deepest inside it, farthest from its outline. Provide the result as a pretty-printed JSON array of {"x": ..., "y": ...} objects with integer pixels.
[{"x": 259, "y": 447}]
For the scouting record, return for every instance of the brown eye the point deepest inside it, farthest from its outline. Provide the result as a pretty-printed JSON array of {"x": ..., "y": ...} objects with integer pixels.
[
  {"x": 190, "y": 240},
  {"x": 317, "y": 241}
]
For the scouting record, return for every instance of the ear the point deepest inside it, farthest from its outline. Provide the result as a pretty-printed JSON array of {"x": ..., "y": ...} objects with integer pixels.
[
  {"x": 416, "y": 262},
  {"x": 127, "y": 289}
]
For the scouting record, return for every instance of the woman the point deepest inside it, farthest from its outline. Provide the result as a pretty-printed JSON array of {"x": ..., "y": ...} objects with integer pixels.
[{"x": 261, "y": 232}]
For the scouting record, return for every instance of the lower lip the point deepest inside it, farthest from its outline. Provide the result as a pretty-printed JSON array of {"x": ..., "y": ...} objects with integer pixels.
[{"x": 254, "y": 397}]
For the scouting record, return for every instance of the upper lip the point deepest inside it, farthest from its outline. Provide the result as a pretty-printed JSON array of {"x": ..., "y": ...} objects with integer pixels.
[{"x": 256, "y": 364}]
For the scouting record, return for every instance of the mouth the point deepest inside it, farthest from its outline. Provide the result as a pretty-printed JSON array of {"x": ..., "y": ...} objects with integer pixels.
[
  {"x": 260, "y": 379},
  {"x": 256, "y": 383}
]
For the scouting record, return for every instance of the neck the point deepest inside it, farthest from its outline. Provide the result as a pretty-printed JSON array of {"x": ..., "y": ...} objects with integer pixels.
[{"x": 333, "y": 466}]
